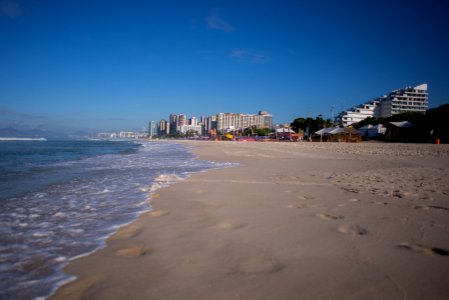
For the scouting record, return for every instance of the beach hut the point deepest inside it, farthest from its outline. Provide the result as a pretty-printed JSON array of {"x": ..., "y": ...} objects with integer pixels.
[
  {"x": 338, "y": 134},
  {"x": 284, "y": 133},
  {"x": 322, "y": 134},
  {"x": 348, "y": 135},
  {"x": 372, "y": 131},
  {"x": 400, "y": 132}
]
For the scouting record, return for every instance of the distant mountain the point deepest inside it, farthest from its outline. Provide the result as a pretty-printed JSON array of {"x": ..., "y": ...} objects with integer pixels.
[{"x": 32, "y": 133}]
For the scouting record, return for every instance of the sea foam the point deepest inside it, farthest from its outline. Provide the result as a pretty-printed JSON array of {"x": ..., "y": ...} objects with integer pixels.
[{"x": 44, "y": 229}]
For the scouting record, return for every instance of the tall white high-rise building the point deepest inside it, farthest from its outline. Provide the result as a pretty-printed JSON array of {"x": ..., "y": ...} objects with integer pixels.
[
  {"x": 193, "y": 121},
  {"x": 409, "y": 99},
  {"x": 163, "y": 127},
  {"x": 151, "y": 129}
]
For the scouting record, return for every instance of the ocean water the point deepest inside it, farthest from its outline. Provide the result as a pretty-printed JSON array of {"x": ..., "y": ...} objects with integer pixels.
[{"x": 60, "y": 200}]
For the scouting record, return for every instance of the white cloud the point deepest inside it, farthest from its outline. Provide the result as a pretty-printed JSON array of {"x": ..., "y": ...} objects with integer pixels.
[
  {"x": 249, "y": 56},
  {"x": 216, "y": 22}
]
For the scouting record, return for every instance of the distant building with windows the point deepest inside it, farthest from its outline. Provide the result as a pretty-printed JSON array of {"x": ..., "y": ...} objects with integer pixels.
[
  {"x": 225, "y": 122},
  {"x": 163, "y": 128},
  {"x": 198, "y": 129},
  {"x": 409, "y": 99},
  {"x": 193, "y": 121},
  {"x": 128, "y": 135},
  {"x": 360, "y": 112},
  {"x": 237, "y": 121},
  {"x": 151, "y": 129},
  {"x": 211, "y": 124}
]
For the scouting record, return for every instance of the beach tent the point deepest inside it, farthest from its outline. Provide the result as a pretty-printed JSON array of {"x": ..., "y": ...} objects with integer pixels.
[
  {"x": 400, "y": 132},
  {"x": 325, "y": 131},
  {"x": 336, "y": 130},
  {"x": 338, "y": 134},
  {"x": 285, "y": 133},
  {"x": 403, "y": 124},
  {"x": 372, "y": 131}
]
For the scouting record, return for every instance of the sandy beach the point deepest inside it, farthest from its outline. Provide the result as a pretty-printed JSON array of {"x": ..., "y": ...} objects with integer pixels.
[{"x": 292, "y": 221}]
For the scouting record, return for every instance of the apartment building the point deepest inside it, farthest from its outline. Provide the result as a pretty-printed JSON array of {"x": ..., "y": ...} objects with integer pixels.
[
  {"x": 194, "y": 128},
  {"x": 163, "y": 127},
  {"x": 409, "y": 99},
  {"x": 360, "y": 112},
  {"x": 236, "y": 121}
]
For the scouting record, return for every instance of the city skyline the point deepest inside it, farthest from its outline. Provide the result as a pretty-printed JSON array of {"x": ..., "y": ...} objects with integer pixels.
[{"x": 101, "y": 65}]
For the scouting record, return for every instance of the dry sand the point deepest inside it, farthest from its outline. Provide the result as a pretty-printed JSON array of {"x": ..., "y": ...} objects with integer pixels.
[{"x": 293, "y": 221}]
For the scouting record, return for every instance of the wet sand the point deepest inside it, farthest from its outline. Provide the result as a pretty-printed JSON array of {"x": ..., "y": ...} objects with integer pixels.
[{"x": 293, "y": 221}]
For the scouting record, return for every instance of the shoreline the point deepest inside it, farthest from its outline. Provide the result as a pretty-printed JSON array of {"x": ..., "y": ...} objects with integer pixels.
[{"x": 289, "y": 218}]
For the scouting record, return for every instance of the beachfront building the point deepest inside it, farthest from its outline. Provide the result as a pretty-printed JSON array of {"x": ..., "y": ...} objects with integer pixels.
[
  {"x": 128, "y": 135},
  {"x": 237, "y": 121},
  {"x": 173, "y": 123},
  {"x": 211, "y": 124},
  {"x": 152, "y": 129},
  {"x": 360, "y": 112},
  {"x": 176, "y": 121},
  {"x": 409, "y": 99},
  {"x": 193, "y": 121},
  {"x": 163, "y": 128},
  {"x": 107, "y": 135},
  {"x": 197, "y": 129}
]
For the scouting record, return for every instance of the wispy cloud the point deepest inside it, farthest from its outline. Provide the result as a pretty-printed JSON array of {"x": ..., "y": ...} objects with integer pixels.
[
  {"x": 216, "y": 22},
  {"x": 249, "y": 56},
  {"x": 10, "y": 8}
]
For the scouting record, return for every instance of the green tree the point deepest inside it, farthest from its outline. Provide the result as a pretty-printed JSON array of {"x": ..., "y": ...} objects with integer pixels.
[
  {"x": 254, "y": 131},
  {"x": 191, "y": 133},
  {"x": 310, "y": 125}
]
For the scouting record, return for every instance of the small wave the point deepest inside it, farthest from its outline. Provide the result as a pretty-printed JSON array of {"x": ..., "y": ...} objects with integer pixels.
[
  {"x": 73, "y": 218},
  {"x": 21, "y": 139},
  {"x": 167, "y": 178},
  {"x": 128, "y": 151}
]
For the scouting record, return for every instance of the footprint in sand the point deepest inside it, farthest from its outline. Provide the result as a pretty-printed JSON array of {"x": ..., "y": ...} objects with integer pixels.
[
  {"x": 238, "y": 259},
  {"x": 354, "y": 200},
  {"x": 132, "y": 252},
  {"x": 424, "y": 249},
  {"x": 329, "y": 217},
  {"x": 351, "y": 190},
  {"x": 230, "y": 225},
  {"x": 429, "y": 207},
  {"x": 127, "y": 232},
  {"x": 157, "y": 213},
  {"x": 259, "y": 264},
  {"x": 296, "y": 206},
  {"x": 353, "y": 230}
]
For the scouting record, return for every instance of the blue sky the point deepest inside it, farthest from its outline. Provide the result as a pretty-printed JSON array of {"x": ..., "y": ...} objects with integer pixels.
[{"x": 111, "y": 65}]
